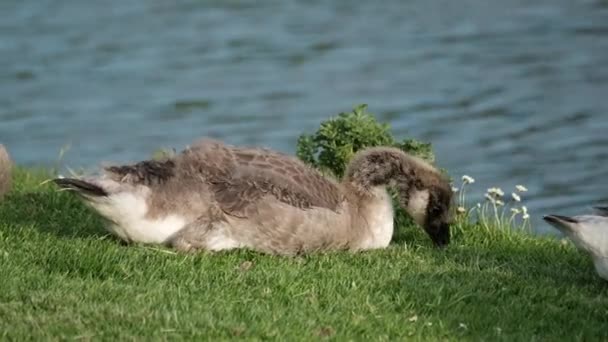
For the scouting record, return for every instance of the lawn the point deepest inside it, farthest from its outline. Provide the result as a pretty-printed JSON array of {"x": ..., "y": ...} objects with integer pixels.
[{"x": 63, "y": 277}]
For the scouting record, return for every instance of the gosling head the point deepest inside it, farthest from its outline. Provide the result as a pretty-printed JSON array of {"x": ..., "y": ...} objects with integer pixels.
[
  {"x": 430, "y": 209},
  {"x": 422, "y": 190},
  {"x": 588, "y": 232}
]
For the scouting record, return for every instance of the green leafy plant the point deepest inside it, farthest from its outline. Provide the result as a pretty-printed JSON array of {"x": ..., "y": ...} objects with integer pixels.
[
  {"x": 340, "y": 137},
  {"x": 332, "y": 146}
]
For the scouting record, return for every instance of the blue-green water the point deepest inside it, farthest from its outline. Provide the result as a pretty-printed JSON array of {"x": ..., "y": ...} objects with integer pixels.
[{"x": 508, "y": 91}]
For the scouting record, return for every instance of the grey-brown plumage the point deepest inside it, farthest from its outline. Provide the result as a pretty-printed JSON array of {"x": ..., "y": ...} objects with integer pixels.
[
  {"x": 6, "y": 166},
  {"x": 214, "y": 196}
]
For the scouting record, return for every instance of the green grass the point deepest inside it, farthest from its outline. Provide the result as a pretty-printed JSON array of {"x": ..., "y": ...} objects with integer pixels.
[{"x": 62, "y": 277}]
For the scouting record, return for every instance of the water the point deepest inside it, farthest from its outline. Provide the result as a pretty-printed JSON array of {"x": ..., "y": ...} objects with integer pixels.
[{"x": 508, "y": 92}]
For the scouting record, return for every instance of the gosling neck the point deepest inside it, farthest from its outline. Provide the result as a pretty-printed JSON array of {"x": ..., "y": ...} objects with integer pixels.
[{"x": 377, "y": 167}]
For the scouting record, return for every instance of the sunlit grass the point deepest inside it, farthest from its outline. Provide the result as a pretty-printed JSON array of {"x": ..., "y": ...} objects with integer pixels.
[{"x": 63, "y": 277}]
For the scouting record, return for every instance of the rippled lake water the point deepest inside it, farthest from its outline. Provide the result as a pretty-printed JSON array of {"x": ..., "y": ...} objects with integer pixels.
[{"x": 508, "y": 92}]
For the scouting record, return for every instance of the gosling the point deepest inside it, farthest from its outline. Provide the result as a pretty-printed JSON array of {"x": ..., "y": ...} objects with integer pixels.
[
  {"x": 213, "y": 196},
  {"x": 589, "y": 233}
]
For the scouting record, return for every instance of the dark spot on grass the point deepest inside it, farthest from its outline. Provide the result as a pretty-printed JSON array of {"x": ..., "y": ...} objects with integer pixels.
[
  {"x": 245, "y": 266},
  {"x": 324, "y": 332}
]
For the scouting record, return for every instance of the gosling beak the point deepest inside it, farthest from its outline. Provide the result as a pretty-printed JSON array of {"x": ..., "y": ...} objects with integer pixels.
[
  {"x": 441, "y": 244},
  {"x": 561, "y": 222}
]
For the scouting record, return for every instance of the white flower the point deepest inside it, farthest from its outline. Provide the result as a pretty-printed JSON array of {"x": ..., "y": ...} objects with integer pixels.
[
  {"x": 500, "y": 203},
  {"x": 455, "y": 189},
  {"x": 461, "y": 210},
  {"x": 489, "y": 198},
  {"x": 521, "y": 188},
  {"x": 524, "y": 210},
  {"x": 515, "y": 211},
  {"x": 496, "y": 192},
  {"x": 478, "y": 205},
  {"x": 516, "y": 197},
  {"x": 468, "y": 179}
]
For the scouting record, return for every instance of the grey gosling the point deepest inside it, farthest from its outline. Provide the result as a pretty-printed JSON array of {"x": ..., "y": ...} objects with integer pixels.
[
  {"x": 5, "y": 171},
  {"x": 214, "y": 196},
  {"x": 589, "y": 233}
]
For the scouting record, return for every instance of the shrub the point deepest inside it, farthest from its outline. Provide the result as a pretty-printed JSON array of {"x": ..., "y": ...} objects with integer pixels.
[
  {"x": 340, "y": 137},
  {"x": 332, "y": 146}
]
